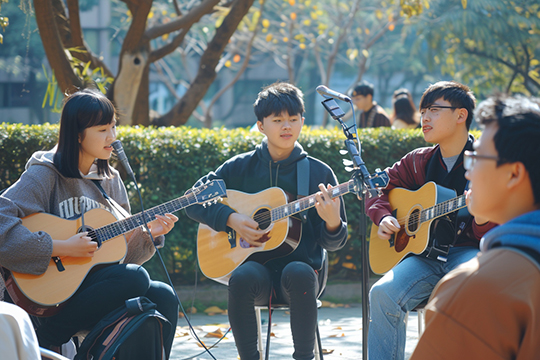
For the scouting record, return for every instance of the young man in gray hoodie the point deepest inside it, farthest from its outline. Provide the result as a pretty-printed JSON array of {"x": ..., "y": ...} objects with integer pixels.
[{"x": 488, "y": 307}]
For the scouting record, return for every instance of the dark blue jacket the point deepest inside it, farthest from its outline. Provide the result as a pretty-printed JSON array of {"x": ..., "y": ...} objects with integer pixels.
[{"x": 255, "y": 171}]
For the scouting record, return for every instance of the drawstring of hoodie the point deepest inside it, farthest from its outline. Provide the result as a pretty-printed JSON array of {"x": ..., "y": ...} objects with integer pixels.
[{"x": 270, "y": 171}]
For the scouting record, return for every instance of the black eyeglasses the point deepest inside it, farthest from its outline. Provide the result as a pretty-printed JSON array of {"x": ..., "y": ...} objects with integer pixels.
[
  {"x": 436, "y": 107},
  {"x": 470, "y": 158}
]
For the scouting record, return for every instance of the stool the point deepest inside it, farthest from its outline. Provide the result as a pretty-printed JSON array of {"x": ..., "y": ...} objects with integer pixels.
[
  {"x": 318, "y": 345},
  {"x": 48, "y": 354},
  {"x": 421, "y": 311}
]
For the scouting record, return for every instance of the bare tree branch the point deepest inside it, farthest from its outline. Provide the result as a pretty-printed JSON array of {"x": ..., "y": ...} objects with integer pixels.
[{"x": 184, "y": 22}]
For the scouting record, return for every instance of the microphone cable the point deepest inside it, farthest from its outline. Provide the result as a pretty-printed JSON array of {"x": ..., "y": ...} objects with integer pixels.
[{"x": 192, "y": 330}]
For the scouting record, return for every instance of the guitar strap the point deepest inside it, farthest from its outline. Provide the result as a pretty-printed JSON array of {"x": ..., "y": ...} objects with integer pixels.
[{"x": 302, "y": 183}]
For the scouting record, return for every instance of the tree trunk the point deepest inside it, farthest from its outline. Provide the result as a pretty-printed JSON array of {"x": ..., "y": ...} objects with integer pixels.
[
  {"x": 52, "y": 44},
  {"x": 127, "y": 86},
  {"x": 181, "y": 112}
]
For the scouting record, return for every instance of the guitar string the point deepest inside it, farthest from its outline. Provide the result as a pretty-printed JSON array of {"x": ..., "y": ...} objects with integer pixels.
[
  {"x": 115, "y": 229},
  {"x": 414, "y": 218},
  {"x": 267, "y": 215}
]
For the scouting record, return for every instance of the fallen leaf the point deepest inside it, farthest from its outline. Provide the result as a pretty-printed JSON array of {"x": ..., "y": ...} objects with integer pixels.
[
  {"x": 327, "y": 351},
  {"x": 213, "y": 309},
  {"x": 180, "y": 334},
  {"x": 216, "y": 333},
  {"x": 337, "y": 328},
  {"x": 337, "y": 335}
]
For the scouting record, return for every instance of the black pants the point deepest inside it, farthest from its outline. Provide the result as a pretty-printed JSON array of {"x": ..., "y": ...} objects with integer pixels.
[
  {"x": 251, "y": 284},
  {"x": 102, "y": 292}
]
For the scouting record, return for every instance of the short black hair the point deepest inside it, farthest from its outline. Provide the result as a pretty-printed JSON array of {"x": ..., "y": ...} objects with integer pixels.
[
  {"x": 364, "y": 88},
  {"x": 278, "y": 97},
  {"x": 82, "y": 109},
  {"x": 458, "y": 95},
  {"x": 516, "y": 140}
]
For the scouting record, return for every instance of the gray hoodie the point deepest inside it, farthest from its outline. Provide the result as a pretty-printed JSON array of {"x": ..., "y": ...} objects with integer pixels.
[{"x": 41, "y": 188}]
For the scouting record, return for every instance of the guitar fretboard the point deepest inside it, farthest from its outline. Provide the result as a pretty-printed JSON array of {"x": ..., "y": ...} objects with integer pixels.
[
  {"x": 443, "y": 208},
  {"x": 120, "y": 227},
  {"x": 309, "y": 201}
]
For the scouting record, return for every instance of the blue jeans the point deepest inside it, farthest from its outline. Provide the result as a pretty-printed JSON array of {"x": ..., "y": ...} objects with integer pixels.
[{"x": 400, "y": 290}]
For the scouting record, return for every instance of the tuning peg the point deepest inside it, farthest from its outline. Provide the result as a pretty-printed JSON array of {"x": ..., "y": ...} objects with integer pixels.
[
  {"x": 347, "y": 162},
  {"x": 348, "y": 168},
  {"x": 343, "y": 152}
]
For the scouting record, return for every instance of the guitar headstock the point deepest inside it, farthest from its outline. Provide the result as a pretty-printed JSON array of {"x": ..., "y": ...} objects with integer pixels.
[
  {"x": 209, "y": 193},
  {"x": 372, "y": 186},
  {"x": 380, "y": 179}
]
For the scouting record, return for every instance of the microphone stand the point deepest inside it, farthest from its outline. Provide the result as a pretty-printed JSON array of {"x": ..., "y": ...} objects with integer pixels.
[{"x": 363, "y": 185}]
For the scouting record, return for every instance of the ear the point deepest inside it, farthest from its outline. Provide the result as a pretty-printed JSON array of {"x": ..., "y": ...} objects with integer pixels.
[
  {"x": 518, "y": 175},
  {"x": 462, "y": 115},
  {"x": 260, "y": 126},
  {"x": 303, "y": 118}
]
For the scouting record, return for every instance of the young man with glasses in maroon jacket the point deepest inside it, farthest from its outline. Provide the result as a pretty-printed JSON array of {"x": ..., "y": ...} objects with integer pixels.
[
  {"x": 488, "y": 307},
  {"x": 446, "y": 110}
]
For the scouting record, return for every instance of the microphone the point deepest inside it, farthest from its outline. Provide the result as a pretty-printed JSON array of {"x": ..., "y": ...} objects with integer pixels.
[
  {"x": 324, "y": 91},
  {"x": 119, "y": 150}
]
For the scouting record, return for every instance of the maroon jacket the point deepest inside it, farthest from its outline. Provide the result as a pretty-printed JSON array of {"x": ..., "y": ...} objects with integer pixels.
[{"x": 410, "y": 173}]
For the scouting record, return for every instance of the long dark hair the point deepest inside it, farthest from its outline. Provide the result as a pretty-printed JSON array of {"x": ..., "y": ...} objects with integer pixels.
[
  {"x": 404, "y": 110},
  {"x": 83, "y": 109}
]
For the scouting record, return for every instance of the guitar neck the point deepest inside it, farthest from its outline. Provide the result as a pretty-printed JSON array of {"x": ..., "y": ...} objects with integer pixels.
[
  {"x": 308, "y": 202},
  {"x": 443, "y": 208},
  {"x": 123, "y": 226}
]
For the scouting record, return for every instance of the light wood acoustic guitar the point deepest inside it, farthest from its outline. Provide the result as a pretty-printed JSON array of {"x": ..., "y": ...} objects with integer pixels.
[
  {"x": 219, "y": 253},
  {"x": 43, "y": 295},
  {"x": 415, "y": 212}
]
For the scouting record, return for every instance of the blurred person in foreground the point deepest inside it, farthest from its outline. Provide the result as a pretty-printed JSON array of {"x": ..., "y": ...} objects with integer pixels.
[{"x": 488, "y": 307}]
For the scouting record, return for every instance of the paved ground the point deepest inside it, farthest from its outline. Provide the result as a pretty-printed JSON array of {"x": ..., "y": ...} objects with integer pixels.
[{"x": 340, "y": 328}]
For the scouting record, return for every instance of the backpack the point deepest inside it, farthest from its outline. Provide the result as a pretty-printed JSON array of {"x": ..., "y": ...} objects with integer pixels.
[{"x": 133, "y": 331}]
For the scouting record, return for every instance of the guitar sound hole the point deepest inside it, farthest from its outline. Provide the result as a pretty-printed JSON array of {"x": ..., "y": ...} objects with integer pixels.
[
  {"x": 263, "y": 218},
  {"x": 413, "y": 221}
]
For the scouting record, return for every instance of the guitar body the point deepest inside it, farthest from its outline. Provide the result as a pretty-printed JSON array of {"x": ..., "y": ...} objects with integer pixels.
[
  {"x": 413, "y": 236},
  {"x": 53, "y": 287},
  {"x": 41, "y": 295},
  {"x": 219, "y": 253}
]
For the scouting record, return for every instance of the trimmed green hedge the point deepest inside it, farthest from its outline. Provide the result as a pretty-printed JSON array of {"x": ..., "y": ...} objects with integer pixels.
[{"x": 167, "y": 161}]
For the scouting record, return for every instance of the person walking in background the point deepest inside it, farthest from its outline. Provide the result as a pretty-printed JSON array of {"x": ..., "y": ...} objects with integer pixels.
[
  {"x": 489, "y": 307},
  {"x": 405, "y": 115},
  {"x": 371, "y": 114}
]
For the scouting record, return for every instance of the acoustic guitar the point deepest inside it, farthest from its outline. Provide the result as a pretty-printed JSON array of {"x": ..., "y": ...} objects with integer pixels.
[
  {"x": 43, "y": 295},
  {"x": 415, "y": 212},
  {"x": 220, "y": 253}
]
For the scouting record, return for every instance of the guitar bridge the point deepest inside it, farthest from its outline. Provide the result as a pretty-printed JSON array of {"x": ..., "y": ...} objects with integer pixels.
[
  {"x": 231, "y": 236},
  {"x": 392, "y": 240}
]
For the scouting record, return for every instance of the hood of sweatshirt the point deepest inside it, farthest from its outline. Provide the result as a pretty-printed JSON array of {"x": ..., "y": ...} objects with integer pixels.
[
  {"x": 523, "y": 231},
  {"x": 274, "y": 167},
  {"x": 46, "y": 158}
]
